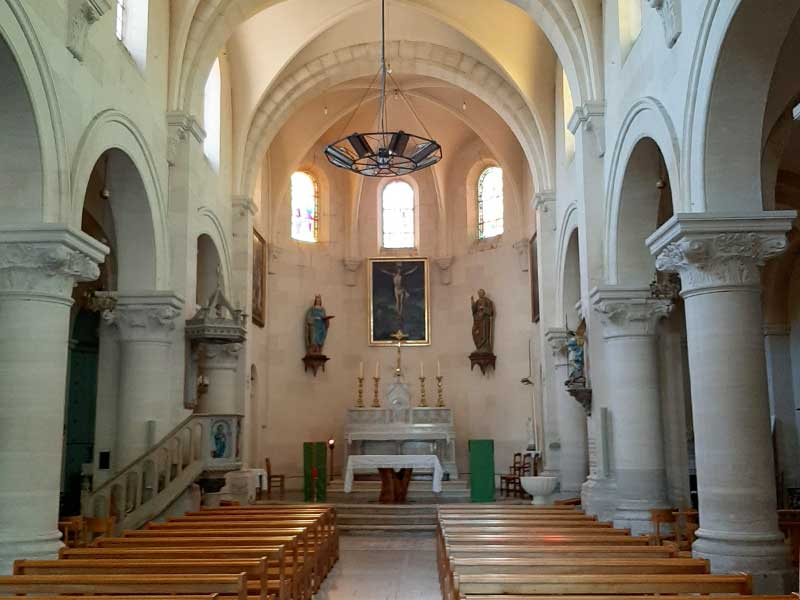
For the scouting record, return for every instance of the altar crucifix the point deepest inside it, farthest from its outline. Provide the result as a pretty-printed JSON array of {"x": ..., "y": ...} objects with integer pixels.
[{"x": 399, "y": 336}]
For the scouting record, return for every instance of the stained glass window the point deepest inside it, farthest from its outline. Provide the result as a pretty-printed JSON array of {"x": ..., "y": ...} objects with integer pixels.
[
  {"x": 397, "y": 215},
  {"x": 305, "y": 207},
  {"x": 490, "y": 202},
  {"x": 120, "y": 20}
]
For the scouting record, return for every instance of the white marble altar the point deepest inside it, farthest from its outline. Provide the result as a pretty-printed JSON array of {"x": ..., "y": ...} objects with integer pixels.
[
  {"x": 403, "y": 431},
  {"x": 372, "y": 462}
]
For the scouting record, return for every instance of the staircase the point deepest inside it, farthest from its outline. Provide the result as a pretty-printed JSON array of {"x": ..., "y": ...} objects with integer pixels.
[
  {"x": 369, "y": 518},
  {"x": 419, "y": 492},
  {"x": 144, "y": 489}
]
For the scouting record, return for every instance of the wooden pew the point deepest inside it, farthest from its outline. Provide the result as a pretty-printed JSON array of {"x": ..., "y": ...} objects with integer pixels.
[
  {"x": 255, "y": 570},
  {"x": 556, "y": 551},
  {"x": 589, "y": 566},
  {"x": 283, "y": 562},
  {"x": 535, "y": 529},
  {"x": 229, "y": 585},
  {"x": 562, "y": 539},
  {"x": 617, "y": 597},
  {"x": 536, "y": 585},
  {"x": 120, "y": 597}
]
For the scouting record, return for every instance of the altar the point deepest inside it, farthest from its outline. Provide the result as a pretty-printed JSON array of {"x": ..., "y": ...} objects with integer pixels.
[{"x": 404, "y": 431}]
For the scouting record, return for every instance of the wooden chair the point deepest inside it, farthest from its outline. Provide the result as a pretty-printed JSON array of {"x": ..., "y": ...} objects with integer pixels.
[
  {"x": 96, "y": 527},
  {"x": 659, "y": 517},
  {"x": 72, "y": 529},
  {"x": 276, "y": 480},
  {"x": 509, "y": 482}
]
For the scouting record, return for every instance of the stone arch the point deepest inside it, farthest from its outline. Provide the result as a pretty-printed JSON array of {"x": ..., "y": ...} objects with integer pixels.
[
  {"x": 209, "y": 264},
  {"x": 574, "y": 29},
  {"x": 569, "y": 229},
  {"x": 570, "y": 281},
  {"x": 421, "y": 58},
  {"x": 142, "y": 247},
  {"x": 33, "y": 176},
  {"x": 646, "y": 140},
  {"x": 211, "y": 227},
  {"x": 724, "y": 124}
]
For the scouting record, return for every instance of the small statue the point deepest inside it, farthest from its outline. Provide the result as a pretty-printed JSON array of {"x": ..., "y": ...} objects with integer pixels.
[
  {"x": 316, "y": 327},
  {"x": 577, "y": 377},
  {"x": 483, "y": 323},
  {"x": 220, "y": 441}
]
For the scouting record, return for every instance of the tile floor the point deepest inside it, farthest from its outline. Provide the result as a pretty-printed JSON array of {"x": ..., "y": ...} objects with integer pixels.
[{"x": 391, "y": 566}]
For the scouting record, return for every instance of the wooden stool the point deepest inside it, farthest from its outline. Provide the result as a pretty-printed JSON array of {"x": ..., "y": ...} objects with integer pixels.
[{"x": 658, "y": 517}]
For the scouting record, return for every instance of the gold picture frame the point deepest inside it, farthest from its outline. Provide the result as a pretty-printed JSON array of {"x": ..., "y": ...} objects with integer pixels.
[
  {"x": 259, "y": 279},
  {"x": 393, "y": 308}
]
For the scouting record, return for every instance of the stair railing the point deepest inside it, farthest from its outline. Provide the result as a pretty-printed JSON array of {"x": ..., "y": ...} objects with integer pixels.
[{"x": 147, "y": 486}]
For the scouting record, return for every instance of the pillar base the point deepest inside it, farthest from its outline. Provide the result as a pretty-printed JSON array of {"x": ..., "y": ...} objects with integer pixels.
[
  {"x": 14, "y": 547},
  {"x": 599, "y": 497},
  {"x": 764, "y": 556}
]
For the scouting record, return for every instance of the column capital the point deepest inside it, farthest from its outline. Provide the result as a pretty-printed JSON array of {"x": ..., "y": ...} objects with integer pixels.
[
  {"x": 45, "y": 261},
  {"x": 556, "y": 339},
  {"x": 719, "y": 251},
  {"x": 628, "y": 312},
  {"x": 543, "y": 201},
  {"x": 147, "y": 316},
  {"x": 245, "y": 205}
]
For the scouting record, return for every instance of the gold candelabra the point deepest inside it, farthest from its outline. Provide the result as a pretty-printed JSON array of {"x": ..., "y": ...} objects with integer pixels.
[
  {"x": 360, "y": 397},
  {"x": 376, "y": 403},
  {"x": 439, "y": 392},
  {"x": 422, "y": 402}
]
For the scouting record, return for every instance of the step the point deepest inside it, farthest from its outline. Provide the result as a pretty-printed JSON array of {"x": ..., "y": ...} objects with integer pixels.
[
  {"x": 384, "y": 516},
  {"x": 387, "y": 527}
]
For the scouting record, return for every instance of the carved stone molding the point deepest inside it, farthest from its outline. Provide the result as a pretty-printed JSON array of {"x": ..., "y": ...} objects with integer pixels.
[
  {"x": 351, "y": 266},
  {"x": 627, "y": 312},
  {"x": 444, "y": 263},
  {"x": 543, "y": 201},
  {"x": 583, "y": 396},
  {"x": 47, "y": 261},
  {"x": 592, "y": 116},
  {"x": 147, "y": 318},
  {"x": 180, "y": 128},
  {"x": 556, "y": 340},
  {"x": 712, "y": 252},
  {"x": 82, "y": 15},
  {"x": 220, "y": 356},
  {"x": 670, "y": 13},
  {"x": 244, "y": 206}
]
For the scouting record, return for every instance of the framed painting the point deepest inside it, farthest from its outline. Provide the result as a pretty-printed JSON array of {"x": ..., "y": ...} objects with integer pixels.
[
  {"x": 259, "y": 282},
  {"x": 534, "y": 271},
  {"x": 398, "y": 291}
]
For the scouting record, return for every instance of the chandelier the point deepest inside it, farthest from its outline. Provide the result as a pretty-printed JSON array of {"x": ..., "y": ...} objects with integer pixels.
[{"x": 384, "y": 153}]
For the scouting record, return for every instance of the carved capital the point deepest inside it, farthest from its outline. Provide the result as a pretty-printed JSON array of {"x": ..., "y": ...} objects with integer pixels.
[
  {"x": 351, "y": 266},
  {"x": 181, "y": 127},
  {"x": 712, "y": 252},
  {"x": 556, "y": 340},
  {"x": 147, "y": 318},
  {"x": 245, "y": 206},
  {"x": 627, "y": 312},
  {"x": 543, "y": 201},
  {"x": 47, "y": 261},
  {"x": 592, "y": 116},
  {"x": 670, "y": 13},
  {"x": 444, "y": 263},
  {"x": 82, "y": 14}
]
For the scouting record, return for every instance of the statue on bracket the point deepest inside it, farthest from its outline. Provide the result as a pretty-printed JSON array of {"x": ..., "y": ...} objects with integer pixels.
[
  {"x": 576, "y": 384},
  {"x": 483, "y": 314},
  {"x": 316, "y": 325}
]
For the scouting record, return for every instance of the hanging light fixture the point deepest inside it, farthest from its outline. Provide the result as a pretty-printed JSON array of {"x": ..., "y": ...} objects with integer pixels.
[{"x": 384, "y": 153}]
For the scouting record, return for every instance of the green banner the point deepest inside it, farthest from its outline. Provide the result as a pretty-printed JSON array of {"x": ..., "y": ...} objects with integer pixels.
[
  {"x": 315, "y": 460},
  {"x": 481, "y": 467}
]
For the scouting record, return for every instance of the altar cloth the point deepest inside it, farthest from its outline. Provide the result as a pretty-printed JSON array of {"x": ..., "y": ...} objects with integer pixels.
[{"x": 396, "y": 462}]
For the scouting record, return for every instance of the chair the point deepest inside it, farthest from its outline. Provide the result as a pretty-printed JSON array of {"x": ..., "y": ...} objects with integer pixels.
[
  {"x": 277, "y": 480},
  {"x": 510, "y": 482},
  {"x": 659, "y": 517},
  {"x": 72, "y": 528},
  {"x": 96, "y": 527}
]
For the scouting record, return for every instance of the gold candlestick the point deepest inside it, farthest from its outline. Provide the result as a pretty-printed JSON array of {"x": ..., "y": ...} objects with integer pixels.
[
  {"x": 422, "y": 402},
  {"x": 376, "y": 403},
  {"x": 439, "y": 392},
  {"x": 360, "y": 397}
]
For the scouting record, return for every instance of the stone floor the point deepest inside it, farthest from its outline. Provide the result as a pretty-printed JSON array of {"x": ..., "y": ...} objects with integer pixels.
[{"x": 388, "y": 566}]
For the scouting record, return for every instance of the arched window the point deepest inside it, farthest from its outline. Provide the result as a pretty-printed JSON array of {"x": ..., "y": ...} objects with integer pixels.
[
  {"x": 397, "y": 216},
  {"x": 305, "y": 207},
  {"x": 211, "y": 114},
  {"x": 569, "y": 108},
  {"x": 130, "y": 27},
  {"x": 490, "y": 202}
]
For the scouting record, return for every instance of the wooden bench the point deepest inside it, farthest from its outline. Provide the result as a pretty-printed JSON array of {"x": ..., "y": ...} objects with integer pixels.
[
  {"x": 536, "y": 585},
  {"x": 229, "y": 585},
  {"x": 616, "y": 597},
  {"x": 556, "y": 551},
  {"x": 120, "y": 597},
  {"x": 255, "y": 570}
]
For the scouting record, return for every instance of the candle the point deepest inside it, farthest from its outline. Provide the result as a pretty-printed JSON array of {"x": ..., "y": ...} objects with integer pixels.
[
  {"x": 438, "y": 369},
  {"x": 361, "y": 370},
  {"x": 377, "y": 368},
  {"x": 421, "y": 369}
]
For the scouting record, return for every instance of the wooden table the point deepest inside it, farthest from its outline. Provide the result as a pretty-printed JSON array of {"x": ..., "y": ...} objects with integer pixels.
[{"x": 395, "y": 471}]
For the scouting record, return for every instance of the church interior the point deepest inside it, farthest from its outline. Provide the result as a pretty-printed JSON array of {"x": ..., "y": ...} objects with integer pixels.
[{"x": 399, "y": 299}]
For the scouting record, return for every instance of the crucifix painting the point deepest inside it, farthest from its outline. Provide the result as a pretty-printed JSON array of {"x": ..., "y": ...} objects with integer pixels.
[{"x": 398, "y": 291}]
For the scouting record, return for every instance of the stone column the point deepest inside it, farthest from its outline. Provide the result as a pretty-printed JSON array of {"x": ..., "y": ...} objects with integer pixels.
[
  {"x": 629, "y": 318},
  {"x": 38, "y": 268},
  {"x": 718, "y": 259},
  {"x": 220, "y": 365},
  {"x": 571, "y": 420},
  {"x": 146, "y": 324},
  {"x": 105, "y": 430}
]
